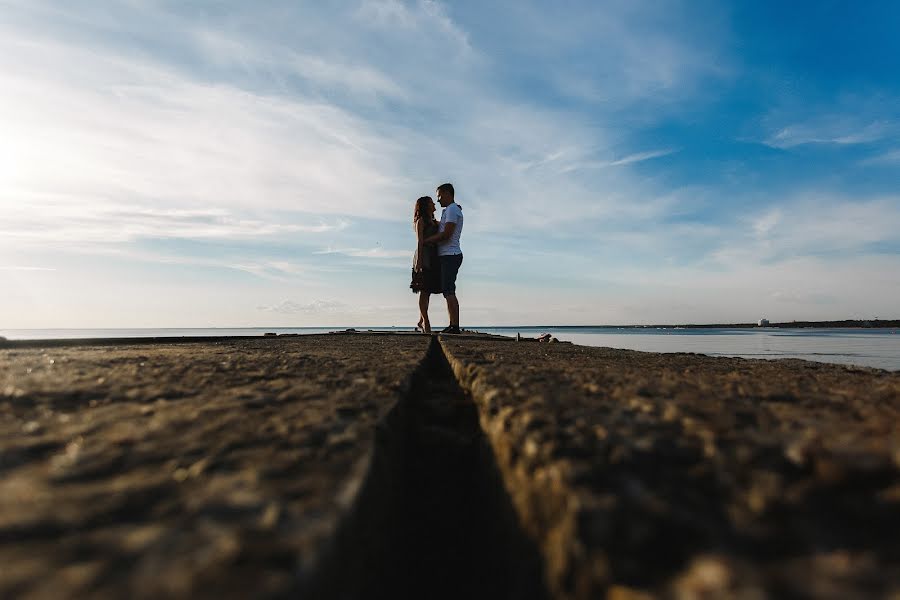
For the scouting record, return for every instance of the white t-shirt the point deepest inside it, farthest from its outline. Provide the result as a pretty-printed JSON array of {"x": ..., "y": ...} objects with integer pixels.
[{"x": 451, "y": 214}]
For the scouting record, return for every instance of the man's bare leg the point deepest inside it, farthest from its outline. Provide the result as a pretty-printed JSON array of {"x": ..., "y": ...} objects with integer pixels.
[{"x": 453, "y": 310}]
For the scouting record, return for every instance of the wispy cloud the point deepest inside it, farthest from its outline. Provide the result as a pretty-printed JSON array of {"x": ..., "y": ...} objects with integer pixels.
[
  {"x": 276, "y": 270},
  {"x": 422, "y": 17},
  {"x": 376, "y": 252},
  {"x": 357, "y": 79},
  {"x": 113, "y": 223},
  {"x": 132, "y": 130},
  {"x": 892, "y": 157},
  {"x": 618, "y": 162},
  {"x": 838, "y": 130},
  {"x": 328, "y": 307},
  {"x": 146, "y": 133},
  {"x": 811, "y": 225},
  {"x": 803, "y": 297},
  {"x": 632, "y": 56},
  {"x": 289, "y": 144},
  {"x": 316, "y": 307},
  {"x": 768, "y": 221}
]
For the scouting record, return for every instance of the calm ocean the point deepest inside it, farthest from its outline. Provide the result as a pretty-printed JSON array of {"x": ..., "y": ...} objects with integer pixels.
[{"x": 878, "y": 348}]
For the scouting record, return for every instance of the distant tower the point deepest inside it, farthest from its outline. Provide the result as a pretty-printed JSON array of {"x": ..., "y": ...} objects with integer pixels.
[{"x": 763, "y": 323}]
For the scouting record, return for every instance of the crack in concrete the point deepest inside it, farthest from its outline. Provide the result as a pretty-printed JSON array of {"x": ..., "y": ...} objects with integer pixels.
[{"x": 432, "y": 518}]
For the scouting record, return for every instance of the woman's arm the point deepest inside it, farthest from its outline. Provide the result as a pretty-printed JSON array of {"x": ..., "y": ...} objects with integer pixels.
[
  {"x": 437, "y": 238},
  {"x": 420, "y": 243}
]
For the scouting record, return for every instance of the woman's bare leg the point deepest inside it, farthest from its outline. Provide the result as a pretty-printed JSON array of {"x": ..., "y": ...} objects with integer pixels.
[{"x": 424, "y": 323}]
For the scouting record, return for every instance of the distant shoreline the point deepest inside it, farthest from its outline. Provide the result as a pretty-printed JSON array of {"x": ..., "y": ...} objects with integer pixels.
[
  {"x": 845, "y": 324},
  {"x": 255, "y": 331}
]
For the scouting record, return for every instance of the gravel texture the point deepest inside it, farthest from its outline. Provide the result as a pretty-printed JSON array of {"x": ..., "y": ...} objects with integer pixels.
[
  {"x": 674, "y": 475},
  {"x": 215, "y": 469}
]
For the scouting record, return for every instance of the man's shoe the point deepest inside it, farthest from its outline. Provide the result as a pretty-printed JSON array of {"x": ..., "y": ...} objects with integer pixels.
[{"x": 451, "y": 329}]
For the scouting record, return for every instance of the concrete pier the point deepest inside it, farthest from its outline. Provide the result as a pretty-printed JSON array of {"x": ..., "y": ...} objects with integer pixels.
[{"x": 386, "y": 466}]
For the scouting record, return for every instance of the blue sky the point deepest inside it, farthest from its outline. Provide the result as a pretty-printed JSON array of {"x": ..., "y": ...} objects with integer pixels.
[{"x": 255, "y": 164}]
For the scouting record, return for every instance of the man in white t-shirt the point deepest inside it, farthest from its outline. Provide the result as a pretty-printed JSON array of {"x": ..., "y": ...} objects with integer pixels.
[{"x": 449, "y": 250}]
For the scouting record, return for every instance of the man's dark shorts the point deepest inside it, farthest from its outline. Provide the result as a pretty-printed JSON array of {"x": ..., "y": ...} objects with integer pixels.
[{"x": 449, "y": 268}]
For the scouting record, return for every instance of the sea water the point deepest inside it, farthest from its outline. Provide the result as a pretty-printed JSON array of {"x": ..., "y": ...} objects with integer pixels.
[{"x": 879, "y": 348}]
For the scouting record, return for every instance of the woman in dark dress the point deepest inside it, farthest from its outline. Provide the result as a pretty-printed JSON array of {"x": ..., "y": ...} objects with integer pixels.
[{"x": 426, "y": 274}]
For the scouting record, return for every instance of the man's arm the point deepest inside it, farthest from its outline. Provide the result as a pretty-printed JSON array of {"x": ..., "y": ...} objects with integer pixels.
[{"x": 437, "y": 238}]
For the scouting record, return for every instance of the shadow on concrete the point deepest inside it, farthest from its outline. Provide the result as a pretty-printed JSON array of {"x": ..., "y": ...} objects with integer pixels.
[{"x": 433, "y": 519}]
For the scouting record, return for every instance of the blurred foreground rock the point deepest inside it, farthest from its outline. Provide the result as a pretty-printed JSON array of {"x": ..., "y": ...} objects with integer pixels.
[{"x": 184, "y": 470}]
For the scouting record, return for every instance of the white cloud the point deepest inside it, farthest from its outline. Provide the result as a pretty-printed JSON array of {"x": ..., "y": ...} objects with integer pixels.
[
  {"x": 618, "y": 162},
  {"x": 822, "y": 224},
  {"x": 135, "y": 133},
  {"x": 803, "y": 297},
  {"x": 423, "y": 17},
  {"x": 764, "y": 224},
  {"x": 616, "y": 54},
  {"x": 337, "y": 312},
  {"x": 376, "y": 252},
  {"x": 357, "y": 79},
  {"x": 131, "y": 130},
  {"x": 290, "y": 307},
  {"x": 832, "y": 129},
  {"x": 64, "y": 221},
  {"x": 292, "y": 126},
  {"x": 891, "y": 157}
]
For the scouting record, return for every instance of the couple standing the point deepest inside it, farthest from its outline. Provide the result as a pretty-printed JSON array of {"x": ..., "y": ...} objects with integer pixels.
[{"x": 438, "y": 255}]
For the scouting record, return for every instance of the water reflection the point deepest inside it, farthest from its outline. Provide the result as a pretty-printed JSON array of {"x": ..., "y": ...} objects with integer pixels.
[{"x": 870, "y": 348}]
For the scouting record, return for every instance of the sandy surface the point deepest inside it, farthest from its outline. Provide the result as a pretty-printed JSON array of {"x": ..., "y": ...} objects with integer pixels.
[
  {"x": 190, "y": 470},
  {"x": 693, "y": 477}
]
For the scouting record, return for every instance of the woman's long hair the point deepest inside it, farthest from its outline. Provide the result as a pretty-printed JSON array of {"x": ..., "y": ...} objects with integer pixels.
[{"x": 422, "y": 208}]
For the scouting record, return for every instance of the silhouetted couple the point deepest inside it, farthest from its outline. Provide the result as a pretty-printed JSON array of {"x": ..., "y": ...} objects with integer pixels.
[{"x": 438, "y": 255}]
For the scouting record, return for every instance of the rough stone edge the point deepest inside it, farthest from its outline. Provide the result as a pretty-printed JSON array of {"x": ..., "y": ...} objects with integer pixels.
[
  {"x": 8, "y": 344},
  {"x": 547, "y": 505},
  {"x": 325, "y": 573}
]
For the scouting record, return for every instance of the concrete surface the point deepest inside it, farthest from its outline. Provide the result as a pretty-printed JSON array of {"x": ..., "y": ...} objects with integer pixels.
[
  {"x": 391, "y": 466},
  {"x": 674, "y": 475},
  {"x": 185, "y": 470}
]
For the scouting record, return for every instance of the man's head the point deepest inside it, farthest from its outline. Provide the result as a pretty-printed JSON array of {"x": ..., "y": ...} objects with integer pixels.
[{"x": 445, "y": 194}]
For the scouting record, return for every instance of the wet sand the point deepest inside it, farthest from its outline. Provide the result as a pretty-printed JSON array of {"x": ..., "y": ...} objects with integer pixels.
[{"x": 393, "y": 466}]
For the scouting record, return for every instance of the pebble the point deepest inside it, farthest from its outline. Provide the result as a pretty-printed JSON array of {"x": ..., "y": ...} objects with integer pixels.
[
  {"x": 143, "y": 537},
  {"x": 622, "y": 592},
  {"x": 707, "y": 577},
  {"x": 270, "y": 516},
  {"x": 196, "y": 469},
  {"x": 69, "y": 456}
]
